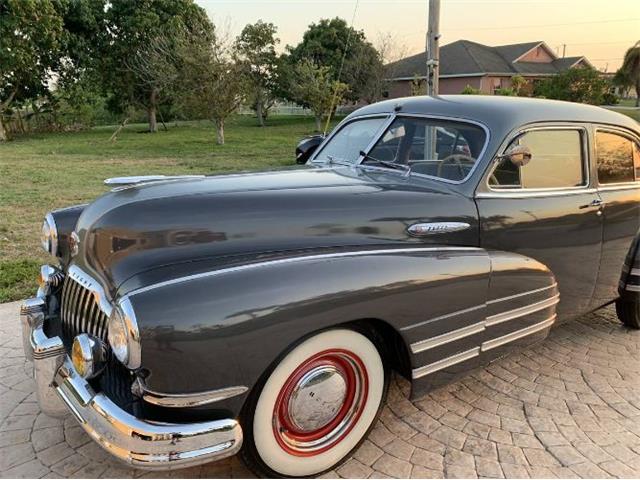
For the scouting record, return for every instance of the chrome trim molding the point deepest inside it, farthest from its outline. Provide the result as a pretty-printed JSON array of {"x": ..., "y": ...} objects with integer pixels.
[
  {"x": 432, "y": 228},
  {"x": 530, "y": 193},
  {"x": 134, "y": 359},
  {"x": 478, "y": 307},
  {"x": 635, "y": 272},
  {"x": 452, "y": 336},
  {"x": 488, "y": 345},
  {"x": 523, "y": 294},
  {"x": 284, "y": 261},
  {"x": 182, "y": 400},
  {"x": 633, "y": 288},
  {"x": 445, "y": 362},
  {"x": 54, "y": 233},
  {"x": 606, "y": 187},
  {"x": 442, "y": 317},
  {"x": 522, "y": 311},
  {"x": 135, "y": 180},
  {"x": 518, "y": 334},
  {"x": 77, "y": 274}
]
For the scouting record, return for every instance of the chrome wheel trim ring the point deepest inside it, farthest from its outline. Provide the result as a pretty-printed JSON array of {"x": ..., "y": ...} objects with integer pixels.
[{"x": 333, "y": 426}]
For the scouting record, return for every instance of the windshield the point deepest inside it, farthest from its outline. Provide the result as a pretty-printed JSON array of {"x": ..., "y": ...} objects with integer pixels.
[
  {"x": 438, "y": 148},
  {"x": 346, "y": 144}
]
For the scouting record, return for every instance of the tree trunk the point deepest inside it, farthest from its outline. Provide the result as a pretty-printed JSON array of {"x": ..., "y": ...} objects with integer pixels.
[
  {"x": 219, "y": 131},
  {"x": 259, "y": 112},
  {"x": 638, "y": 93},
  {"x": 3, "y": 133},
  {"x": 153, "y": 100},
  {"x": 318, "y": 123}
]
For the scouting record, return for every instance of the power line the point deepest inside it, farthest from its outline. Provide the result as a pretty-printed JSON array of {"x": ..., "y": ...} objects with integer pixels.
[{"x": 503, "y": 27}]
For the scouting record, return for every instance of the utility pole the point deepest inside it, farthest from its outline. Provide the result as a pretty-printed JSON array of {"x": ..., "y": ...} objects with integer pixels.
[
  {"x": 433, "y": 48},
  {"x": 564, "y": 49}
]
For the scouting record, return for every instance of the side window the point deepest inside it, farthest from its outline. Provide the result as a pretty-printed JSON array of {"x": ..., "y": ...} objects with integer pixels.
[
  {"x": 617, "y": 158},
  {"x": 557, "y": 162}
]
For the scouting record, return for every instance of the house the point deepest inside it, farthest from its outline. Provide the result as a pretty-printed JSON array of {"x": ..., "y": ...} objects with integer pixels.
[{"x": 483, "y": 67}]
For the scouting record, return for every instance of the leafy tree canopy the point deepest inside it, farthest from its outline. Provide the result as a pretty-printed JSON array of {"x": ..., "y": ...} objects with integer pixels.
[
  {"x": 628, "y": 75},
  {"x": 581, "y": 84},
  {"x": 325, "y": 43}
]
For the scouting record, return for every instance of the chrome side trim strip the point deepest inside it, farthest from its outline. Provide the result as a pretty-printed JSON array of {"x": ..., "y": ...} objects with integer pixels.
[
  {"x": 633, "y": 288},
  {"x": 452, "y": 336},
  {"x": 635, "y": 271},
  {"x": 284, "y": 261},
  {"x": 181, "y": 400},
  {"x": 518, "y": 295},
  {"x": 510, "y": 337},
  {"x": 522, "y": 311},
  {"x": 444, "y": 363},
  {"x": 530, "y": 193},
  {"x": 619, "y": 186},
  {"x": 477, "y": 307},
  {"x": 442, "y": 317}
]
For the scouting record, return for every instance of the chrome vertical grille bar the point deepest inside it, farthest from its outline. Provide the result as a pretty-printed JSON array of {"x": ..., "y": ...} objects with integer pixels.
[{"x": 80, "y": 311}]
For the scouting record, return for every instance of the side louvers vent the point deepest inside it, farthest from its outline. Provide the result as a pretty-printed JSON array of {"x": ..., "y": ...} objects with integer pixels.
[{"x": 80, "y": 312}]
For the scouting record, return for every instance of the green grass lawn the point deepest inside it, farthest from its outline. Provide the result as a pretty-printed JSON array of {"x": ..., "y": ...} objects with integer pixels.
[{"x": 42, "y": 172}]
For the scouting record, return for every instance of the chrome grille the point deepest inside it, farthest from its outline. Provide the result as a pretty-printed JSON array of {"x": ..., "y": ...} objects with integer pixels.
[{"x": 80, "y": 311}]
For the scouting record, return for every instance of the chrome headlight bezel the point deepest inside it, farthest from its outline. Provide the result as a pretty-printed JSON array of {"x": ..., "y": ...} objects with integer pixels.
[
  {"x": 49, "y": 235},
  {"x": 123, "y": 334}
]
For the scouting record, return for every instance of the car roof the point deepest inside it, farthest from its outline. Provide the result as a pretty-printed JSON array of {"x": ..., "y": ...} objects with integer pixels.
[{"x": 500, "y": 110}]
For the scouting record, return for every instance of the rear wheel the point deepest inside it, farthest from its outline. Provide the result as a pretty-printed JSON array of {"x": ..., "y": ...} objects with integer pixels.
[
  {"x": 316, "y": 406},
  {"x": 629, "y": 312}
]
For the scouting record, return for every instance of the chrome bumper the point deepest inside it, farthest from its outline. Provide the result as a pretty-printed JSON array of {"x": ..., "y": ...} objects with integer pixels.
[{"x": 140, "y": 443}]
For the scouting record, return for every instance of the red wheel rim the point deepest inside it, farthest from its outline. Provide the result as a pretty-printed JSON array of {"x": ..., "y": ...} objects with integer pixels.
[{"x": 343, "y": 374}]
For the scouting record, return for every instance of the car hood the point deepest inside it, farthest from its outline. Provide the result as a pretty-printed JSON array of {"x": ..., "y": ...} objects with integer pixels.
[{"x": 173, "y": 227}]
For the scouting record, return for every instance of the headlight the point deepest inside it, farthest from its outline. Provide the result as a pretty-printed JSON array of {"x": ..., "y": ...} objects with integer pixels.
[
  {"x": 123, "y": 335},
  {"x": 49, "y": 235}
]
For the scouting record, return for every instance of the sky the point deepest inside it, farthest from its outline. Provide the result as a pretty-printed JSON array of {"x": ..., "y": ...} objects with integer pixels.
[{"x": 599, "y": 30}]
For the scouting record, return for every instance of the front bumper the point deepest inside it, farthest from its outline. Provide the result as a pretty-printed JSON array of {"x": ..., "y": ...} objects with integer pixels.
[{"x": 142, "y": 444}]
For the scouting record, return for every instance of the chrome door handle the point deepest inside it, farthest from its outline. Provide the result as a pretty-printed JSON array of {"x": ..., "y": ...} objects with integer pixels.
[{"x": 597, "y": 203}]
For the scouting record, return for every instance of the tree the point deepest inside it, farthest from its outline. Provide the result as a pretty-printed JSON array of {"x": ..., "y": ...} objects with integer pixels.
[
  {"x": 313, "y": 86},
  {"x": 518, "y": 82},
  {"x": 30, "y": 41},
  {"x": 628, "y": 75},
  {"x": 137, "y": 30},
  {"x": 215, "y": 85},
  {"x": 325, "y": 44},
  {"x": 255, "y": 48},
  {"x": 580, "y": 84}
]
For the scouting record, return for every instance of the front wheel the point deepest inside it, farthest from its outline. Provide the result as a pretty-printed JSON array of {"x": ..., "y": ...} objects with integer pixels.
[
  {"x": 629, "y": 312},
  {"x": 316, "y": 406}
]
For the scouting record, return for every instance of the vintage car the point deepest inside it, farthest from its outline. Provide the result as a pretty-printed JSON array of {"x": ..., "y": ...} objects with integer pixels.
[{"x": 190, "y": 318}]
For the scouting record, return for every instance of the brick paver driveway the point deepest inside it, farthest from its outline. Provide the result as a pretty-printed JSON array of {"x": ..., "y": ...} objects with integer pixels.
[{"x": 569, "y": 407}]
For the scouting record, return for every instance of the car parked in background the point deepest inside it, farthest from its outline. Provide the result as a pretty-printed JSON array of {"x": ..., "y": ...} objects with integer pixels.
[{"x": 188, "y": 317}]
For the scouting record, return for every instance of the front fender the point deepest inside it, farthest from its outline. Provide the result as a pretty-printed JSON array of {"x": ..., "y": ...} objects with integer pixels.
[{"x": 226, "y": 327}]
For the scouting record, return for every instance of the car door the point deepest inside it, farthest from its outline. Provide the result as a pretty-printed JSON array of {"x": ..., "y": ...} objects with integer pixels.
[
  {"x": 617, "y": 168},
  {"x": 547, "y": 209}
]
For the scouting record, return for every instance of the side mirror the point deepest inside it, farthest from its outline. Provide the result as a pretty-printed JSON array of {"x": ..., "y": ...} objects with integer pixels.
[
  {"x": 519, "y": 155},
  {"x": 306, "y": 147}
]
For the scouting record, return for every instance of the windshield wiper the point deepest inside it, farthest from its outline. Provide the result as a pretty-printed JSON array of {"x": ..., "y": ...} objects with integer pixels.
[{"x": 406, "y": 169}]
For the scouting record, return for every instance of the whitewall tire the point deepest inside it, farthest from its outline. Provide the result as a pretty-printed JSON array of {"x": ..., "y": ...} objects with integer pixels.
[{"x": 316, "y": 406}]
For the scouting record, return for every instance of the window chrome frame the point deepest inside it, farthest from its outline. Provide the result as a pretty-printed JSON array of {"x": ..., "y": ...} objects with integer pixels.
[
  {"x": 622, "y": 133},
  {"x": 348, "y": 121},
  {"x": 486, "y": 191},
  {"x": 391, "y": 117}
]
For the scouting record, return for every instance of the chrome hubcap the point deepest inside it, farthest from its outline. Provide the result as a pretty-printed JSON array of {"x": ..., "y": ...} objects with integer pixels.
[{"x": 317, "y": 398}]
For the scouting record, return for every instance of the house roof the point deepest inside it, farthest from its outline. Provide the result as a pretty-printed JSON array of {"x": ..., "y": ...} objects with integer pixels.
[{"x": 467, "y": 58}]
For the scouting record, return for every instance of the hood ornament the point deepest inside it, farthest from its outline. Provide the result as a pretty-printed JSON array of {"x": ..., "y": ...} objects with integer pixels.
[{"x": 135, "y": 180}]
